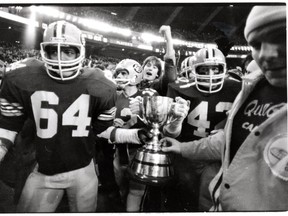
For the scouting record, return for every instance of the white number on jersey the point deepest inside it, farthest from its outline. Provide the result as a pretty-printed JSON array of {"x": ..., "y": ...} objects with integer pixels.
[
  {"x": 201, "y": 111},
  {"x": 125, "y": 112},
  {"x": 76, "y": 114}
]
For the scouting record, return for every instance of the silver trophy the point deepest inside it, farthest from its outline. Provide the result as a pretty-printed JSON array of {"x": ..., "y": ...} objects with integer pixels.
[{"x": 151, "y": 165}]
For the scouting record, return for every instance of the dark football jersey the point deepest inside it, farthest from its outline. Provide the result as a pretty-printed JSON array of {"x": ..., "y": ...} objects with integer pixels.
[
  {"x": 122, "y": 104},
  {"x": 62, "y": 112},
  {"x": 127, "y": 151},
  {"x": 206, "y": 110}
]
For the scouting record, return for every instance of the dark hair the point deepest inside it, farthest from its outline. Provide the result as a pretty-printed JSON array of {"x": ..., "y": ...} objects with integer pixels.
[{"x": 157, "y": 62}]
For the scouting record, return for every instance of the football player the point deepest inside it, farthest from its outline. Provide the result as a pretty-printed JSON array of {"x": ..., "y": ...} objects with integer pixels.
[
  {"x": 20, "y": 159},
  {"x": 128, "y": 74},
  {"x": 186, "y": 70},
  {"x": 211, "y": 97},
  {"x": 62, "y": 100}
]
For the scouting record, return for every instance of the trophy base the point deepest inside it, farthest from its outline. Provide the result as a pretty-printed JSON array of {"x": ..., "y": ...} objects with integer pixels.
[{"x": 151, "y": 167}]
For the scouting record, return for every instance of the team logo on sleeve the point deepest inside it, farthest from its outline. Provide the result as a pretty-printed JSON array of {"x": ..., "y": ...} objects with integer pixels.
[{"x": 276, "y": 156}]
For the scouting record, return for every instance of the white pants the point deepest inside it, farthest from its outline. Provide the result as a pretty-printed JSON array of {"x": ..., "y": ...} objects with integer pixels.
[{"x": 43, "y": 193}]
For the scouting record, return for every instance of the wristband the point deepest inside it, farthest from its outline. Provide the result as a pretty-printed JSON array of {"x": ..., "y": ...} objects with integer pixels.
[
  {"x": 127, "y": 136},
  {"x": 3, "y": 151},
  {"x": 113, "y": 135},
  {"x": 5, "y": 143}
]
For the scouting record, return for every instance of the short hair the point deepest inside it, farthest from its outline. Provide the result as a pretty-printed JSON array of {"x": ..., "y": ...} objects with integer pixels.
[{"x": 156, "y": 61}]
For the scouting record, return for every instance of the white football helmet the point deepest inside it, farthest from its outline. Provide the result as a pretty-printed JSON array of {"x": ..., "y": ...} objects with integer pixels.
[
  {"x": 62, "y": 34},
  {"x": 209, "y": 83},
  {"x": 134, "y": 70},
  {"x": 186, "y": 67}
]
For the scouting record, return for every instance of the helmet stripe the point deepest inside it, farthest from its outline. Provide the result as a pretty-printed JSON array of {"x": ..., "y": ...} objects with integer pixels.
[
  {"x": 59, "y": 30},
  {"x": 213, "y": 55},
  {"x": 63, "y": 29},
  {"x": 55, "y": 30}
]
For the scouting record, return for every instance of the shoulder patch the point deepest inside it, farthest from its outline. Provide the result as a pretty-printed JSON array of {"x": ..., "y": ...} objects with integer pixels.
[{"x": 276, "y": 156}]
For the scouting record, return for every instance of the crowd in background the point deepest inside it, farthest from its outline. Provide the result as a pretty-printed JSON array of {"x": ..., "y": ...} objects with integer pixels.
[
  {"x": 104, "y": 16},
  {"x": 12, "y": 52}
]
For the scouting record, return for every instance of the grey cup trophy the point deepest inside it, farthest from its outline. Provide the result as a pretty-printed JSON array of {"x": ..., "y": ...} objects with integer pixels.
[{"x": 150, "y": 164}]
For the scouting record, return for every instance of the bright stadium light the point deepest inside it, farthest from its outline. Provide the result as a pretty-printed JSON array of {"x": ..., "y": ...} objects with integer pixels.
[
  {"x": 48, "y": 11},
  {"x": 18, "y": 19},
  {"x": 61, "y": 15},
  {"x": 68, "y": 17},
  {"x": 145, "y": 47},
  {"x": 122, "y": 31},
  {"x": 151, "y": 38},
  {"x": 178, "y": 42},
  {"x": 97, "y": 25},
  {"x": 30, "y": 32}
]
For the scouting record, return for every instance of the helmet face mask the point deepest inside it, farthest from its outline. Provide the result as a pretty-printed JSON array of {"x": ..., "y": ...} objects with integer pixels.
[
  {"x": 209, "y": 70},
  {"x": 122, "y": 79},
  {"x": 128, "y": 72},
  {"x": 59, "y": 36}
]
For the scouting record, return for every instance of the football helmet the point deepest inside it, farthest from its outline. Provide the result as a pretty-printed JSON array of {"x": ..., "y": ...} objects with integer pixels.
[
  {"x": 210, "y": 82},
  {"x": 62, "y": 34},
  {"x": 134, "y": 70},
  {"x": 186, "y": 67}
]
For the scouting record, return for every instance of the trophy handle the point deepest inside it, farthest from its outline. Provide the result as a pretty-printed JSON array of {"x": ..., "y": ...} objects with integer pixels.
[
  {"x": 140, "y": 99},
  {"x": 171, "y": 117}
]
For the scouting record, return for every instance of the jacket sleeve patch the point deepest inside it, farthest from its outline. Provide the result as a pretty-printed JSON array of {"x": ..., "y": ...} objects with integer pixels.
[{"x": 276, "y": 156}]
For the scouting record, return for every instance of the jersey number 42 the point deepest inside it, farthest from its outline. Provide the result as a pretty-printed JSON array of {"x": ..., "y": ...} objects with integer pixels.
[{"x": 198, "y": 117}]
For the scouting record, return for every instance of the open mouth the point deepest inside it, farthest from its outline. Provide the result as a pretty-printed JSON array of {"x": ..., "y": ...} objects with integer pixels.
[{"x": 148, "y": 73}]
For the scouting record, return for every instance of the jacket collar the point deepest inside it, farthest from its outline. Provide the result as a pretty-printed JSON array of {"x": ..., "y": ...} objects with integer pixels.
[{"x": 252, "y": 77}]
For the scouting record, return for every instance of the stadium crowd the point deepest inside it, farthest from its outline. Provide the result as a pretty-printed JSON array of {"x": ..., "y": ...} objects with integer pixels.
[
  {"x": 74, "y": 138},
  {"x": 10, "y": 53},
  {"x": 207, "y": 36}
]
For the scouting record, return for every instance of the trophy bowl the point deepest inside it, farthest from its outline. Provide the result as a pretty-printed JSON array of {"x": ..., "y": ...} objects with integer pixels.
[{"x": 150, "y": 164}]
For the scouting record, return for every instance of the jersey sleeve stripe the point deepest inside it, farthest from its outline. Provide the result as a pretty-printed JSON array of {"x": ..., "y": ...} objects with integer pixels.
[
  {"x": 107, "y": 115},
  {"x": 10, "y": 109}
]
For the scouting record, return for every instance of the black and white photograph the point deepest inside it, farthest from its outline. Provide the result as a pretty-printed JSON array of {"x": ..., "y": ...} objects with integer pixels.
[{"x": 143, "y": 107}]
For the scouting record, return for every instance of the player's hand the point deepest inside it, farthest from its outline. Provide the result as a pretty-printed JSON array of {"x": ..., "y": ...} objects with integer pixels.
[
  {"x": 181, "y": 108},
  {"x": 118, "y": 122},
  {"x": 170, "y": 145},
  {"x": 144, "y": 135},
  {"x": 107, "y": 133},
  {"x": 135, "y": 105}
]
